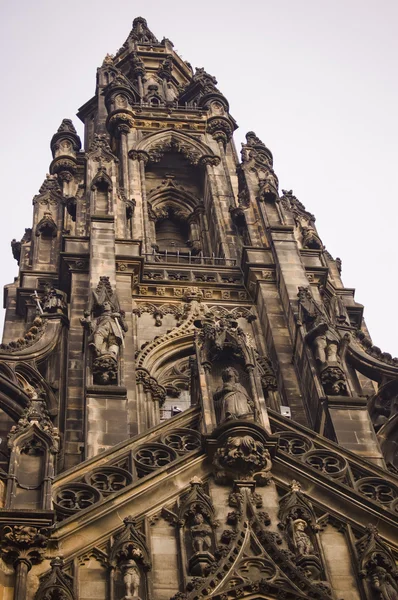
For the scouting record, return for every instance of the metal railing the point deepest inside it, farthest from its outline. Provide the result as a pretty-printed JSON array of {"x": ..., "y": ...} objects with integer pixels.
[{"x": 188, "y": 258}]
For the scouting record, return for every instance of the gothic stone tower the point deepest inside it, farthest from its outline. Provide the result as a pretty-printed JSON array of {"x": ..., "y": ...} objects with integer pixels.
[{"x": 191, "y": 405}]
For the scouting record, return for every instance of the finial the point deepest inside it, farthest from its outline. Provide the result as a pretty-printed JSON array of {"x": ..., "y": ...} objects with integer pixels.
[
  {"x": 295, "y": 486},
  {"x": 108, "y": 60}
]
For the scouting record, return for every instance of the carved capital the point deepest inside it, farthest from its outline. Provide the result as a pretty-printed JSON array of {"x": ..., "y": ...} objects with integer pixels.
[
  {"x": 22, "y": 544},
  {"x": 139, "y": 155}
]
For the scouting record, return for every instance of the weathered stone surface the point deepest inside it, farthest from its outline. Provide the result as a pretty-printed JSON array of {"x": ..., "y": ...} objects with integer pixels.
[{"x": 187, "y": 407}]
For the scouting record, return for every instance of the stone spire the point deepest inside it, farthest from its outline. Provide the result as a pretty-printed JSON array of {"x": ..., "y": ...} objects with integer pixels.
[{"x": 141, "y": 33}]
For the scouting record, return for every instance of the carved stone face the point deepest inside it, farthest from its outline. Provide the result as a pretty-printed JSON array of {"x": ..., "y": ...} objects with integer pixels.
[
  {"x": 230, "y": 374},
  {"x": 198, "y": 519},
  {"x": 300, "y": 525},
  {"x": 106, "y": 307}
]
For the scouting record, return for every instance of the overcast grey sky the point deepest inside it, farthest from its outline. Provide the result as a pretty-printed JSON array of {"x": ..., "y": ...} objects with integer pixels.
[{"x": 315, "y": 79}]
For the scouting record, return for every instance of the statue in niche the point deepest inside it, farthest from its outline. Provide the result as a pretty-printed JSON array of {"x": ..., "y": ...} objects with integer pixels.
[
  {"x": 131, "y": 578},
  {"x": 301, "y": 540},
  {"x": 335, "y": 307},
  {"x": 108, "y": 331},
  {"x": 324, "y": 343},
  {"x": 384, "y": 584},
  {"x": 106, "y": 325},
  {"x": 201, "y": 534},
  {"x": 231, "y": 400},
  {"x": 338, "y": 311}
]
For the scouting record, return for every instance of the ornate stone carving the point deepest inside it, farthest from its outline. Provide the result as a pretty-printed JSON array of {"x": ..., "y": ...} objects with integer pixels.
[
  {"x": 255, "y": 152},
  {"x": 188, "y": 151},
  {"x": 137, "y": 65},
  {"x": 375, "y": 351},
  {"x": 16, "y": 250},
  {"x": 74, "y": 497},
  {"x": 298, "y": 520},
  {"x": 158, "y": 311},
  {"x": 294, "y": 443},
  {"x": 129, "y": 554},
  {"x": 22, "y": 546},
  {"x": 140, "y": 32},
  {"x": 46, "y": 227},
  {"x": 33, "y": 334},
  {"x": 182, "y": 440},
  {"x": 231, "y": 400},
  {"x": 327, "y": 462},
  {"x": 220, "y": 129},
  {"x": 324, "y": 342},
  {"x": 108, "y": 480},
  {"x": 106, "y": 332},
  {"x": 301, "y": 540},
  {"x": 195, "y": 514},
  {"x": 377, "y": 564},
  {"x": 333, "y": 381},
  {"x": 54, "y": 301},
  {"x": 268, "y": 186},
  {"x": 35, "y": 418},
  {"x": 50, "y": 184},
  {"x": 378, "y": 490},
  {"x": 100, "y": 143},
  {"x": 216, "y": 333},
  {"x": 151, "y": 385},
  {"x": 150, "y": 457},
  {"x": 242, "y": 457},
  {"x": 56, "y": 585}
]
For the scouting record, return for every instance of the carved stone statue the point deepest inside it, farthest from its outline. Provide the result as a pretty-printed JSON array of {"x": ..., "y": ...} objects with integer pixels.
[
  {"x": 325, "y": 344},
  {"x": 383, "y": 583},
  {"x": 106, "y": 326},
  {"x": 131, "y": 578},
  {"x": 201, "y": 534},
  {"x": 231, "y": 400},
  {"x": 301, "y": 540},
  {"x": 54, "y": 300},
  {"x": 106, "y": 331}
]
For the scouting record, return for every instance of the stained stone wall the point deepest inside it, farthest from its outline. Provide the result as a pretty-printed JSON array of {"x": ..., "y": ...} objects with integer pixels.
[{"x": 165, "y": 270}]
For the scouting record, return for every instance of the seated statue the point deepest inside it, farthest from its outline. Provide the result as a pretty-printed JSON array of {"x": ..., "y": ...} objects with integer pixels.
[{"x": 231, "y": 400}]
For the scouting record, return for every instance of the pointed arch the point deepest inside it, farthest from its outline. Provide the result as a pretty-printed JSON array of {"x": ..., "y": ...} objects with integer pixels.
[
  {"x": 195, "y": 151},
  {"x": 101, "y": 178},
  {"x": 173, "y": 195},
  {"x": 37, "y": 381}
]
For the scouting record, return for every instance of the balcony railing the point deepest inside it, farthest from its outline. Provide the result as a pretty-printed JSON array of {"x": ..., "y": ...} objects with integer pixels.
[{"x": 187, "y": 258}]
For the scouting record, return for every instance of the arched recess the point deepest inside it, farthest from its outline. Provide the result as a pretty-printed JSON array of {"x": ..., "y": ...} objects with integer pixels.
[
  {"x": 163, "y": 376},
  {"x": 194, "y": 150},
  {"x": 39, "y": 384},
  {"x": 32, "y": 466},
  {"x": 176, "y": 220},
  {"x": 173, "y": 159},
  {"x": 101, "y": 188}
]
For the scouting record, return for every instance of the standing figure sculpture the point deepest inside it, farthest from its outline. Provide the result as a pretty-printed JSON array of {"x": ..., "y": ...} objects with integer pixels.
[
  {"x": 107, "y": 336},
  {"x": 106, "y": 326},
  {"x": 231, "y": 400},
  {"x": 301, "y": 540},
  {"x": 131, "y": 579},
  {"x": 384, "y": 584},
  {"x": 201, "y": 534},
  {"x": 106, "y": 331}
]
